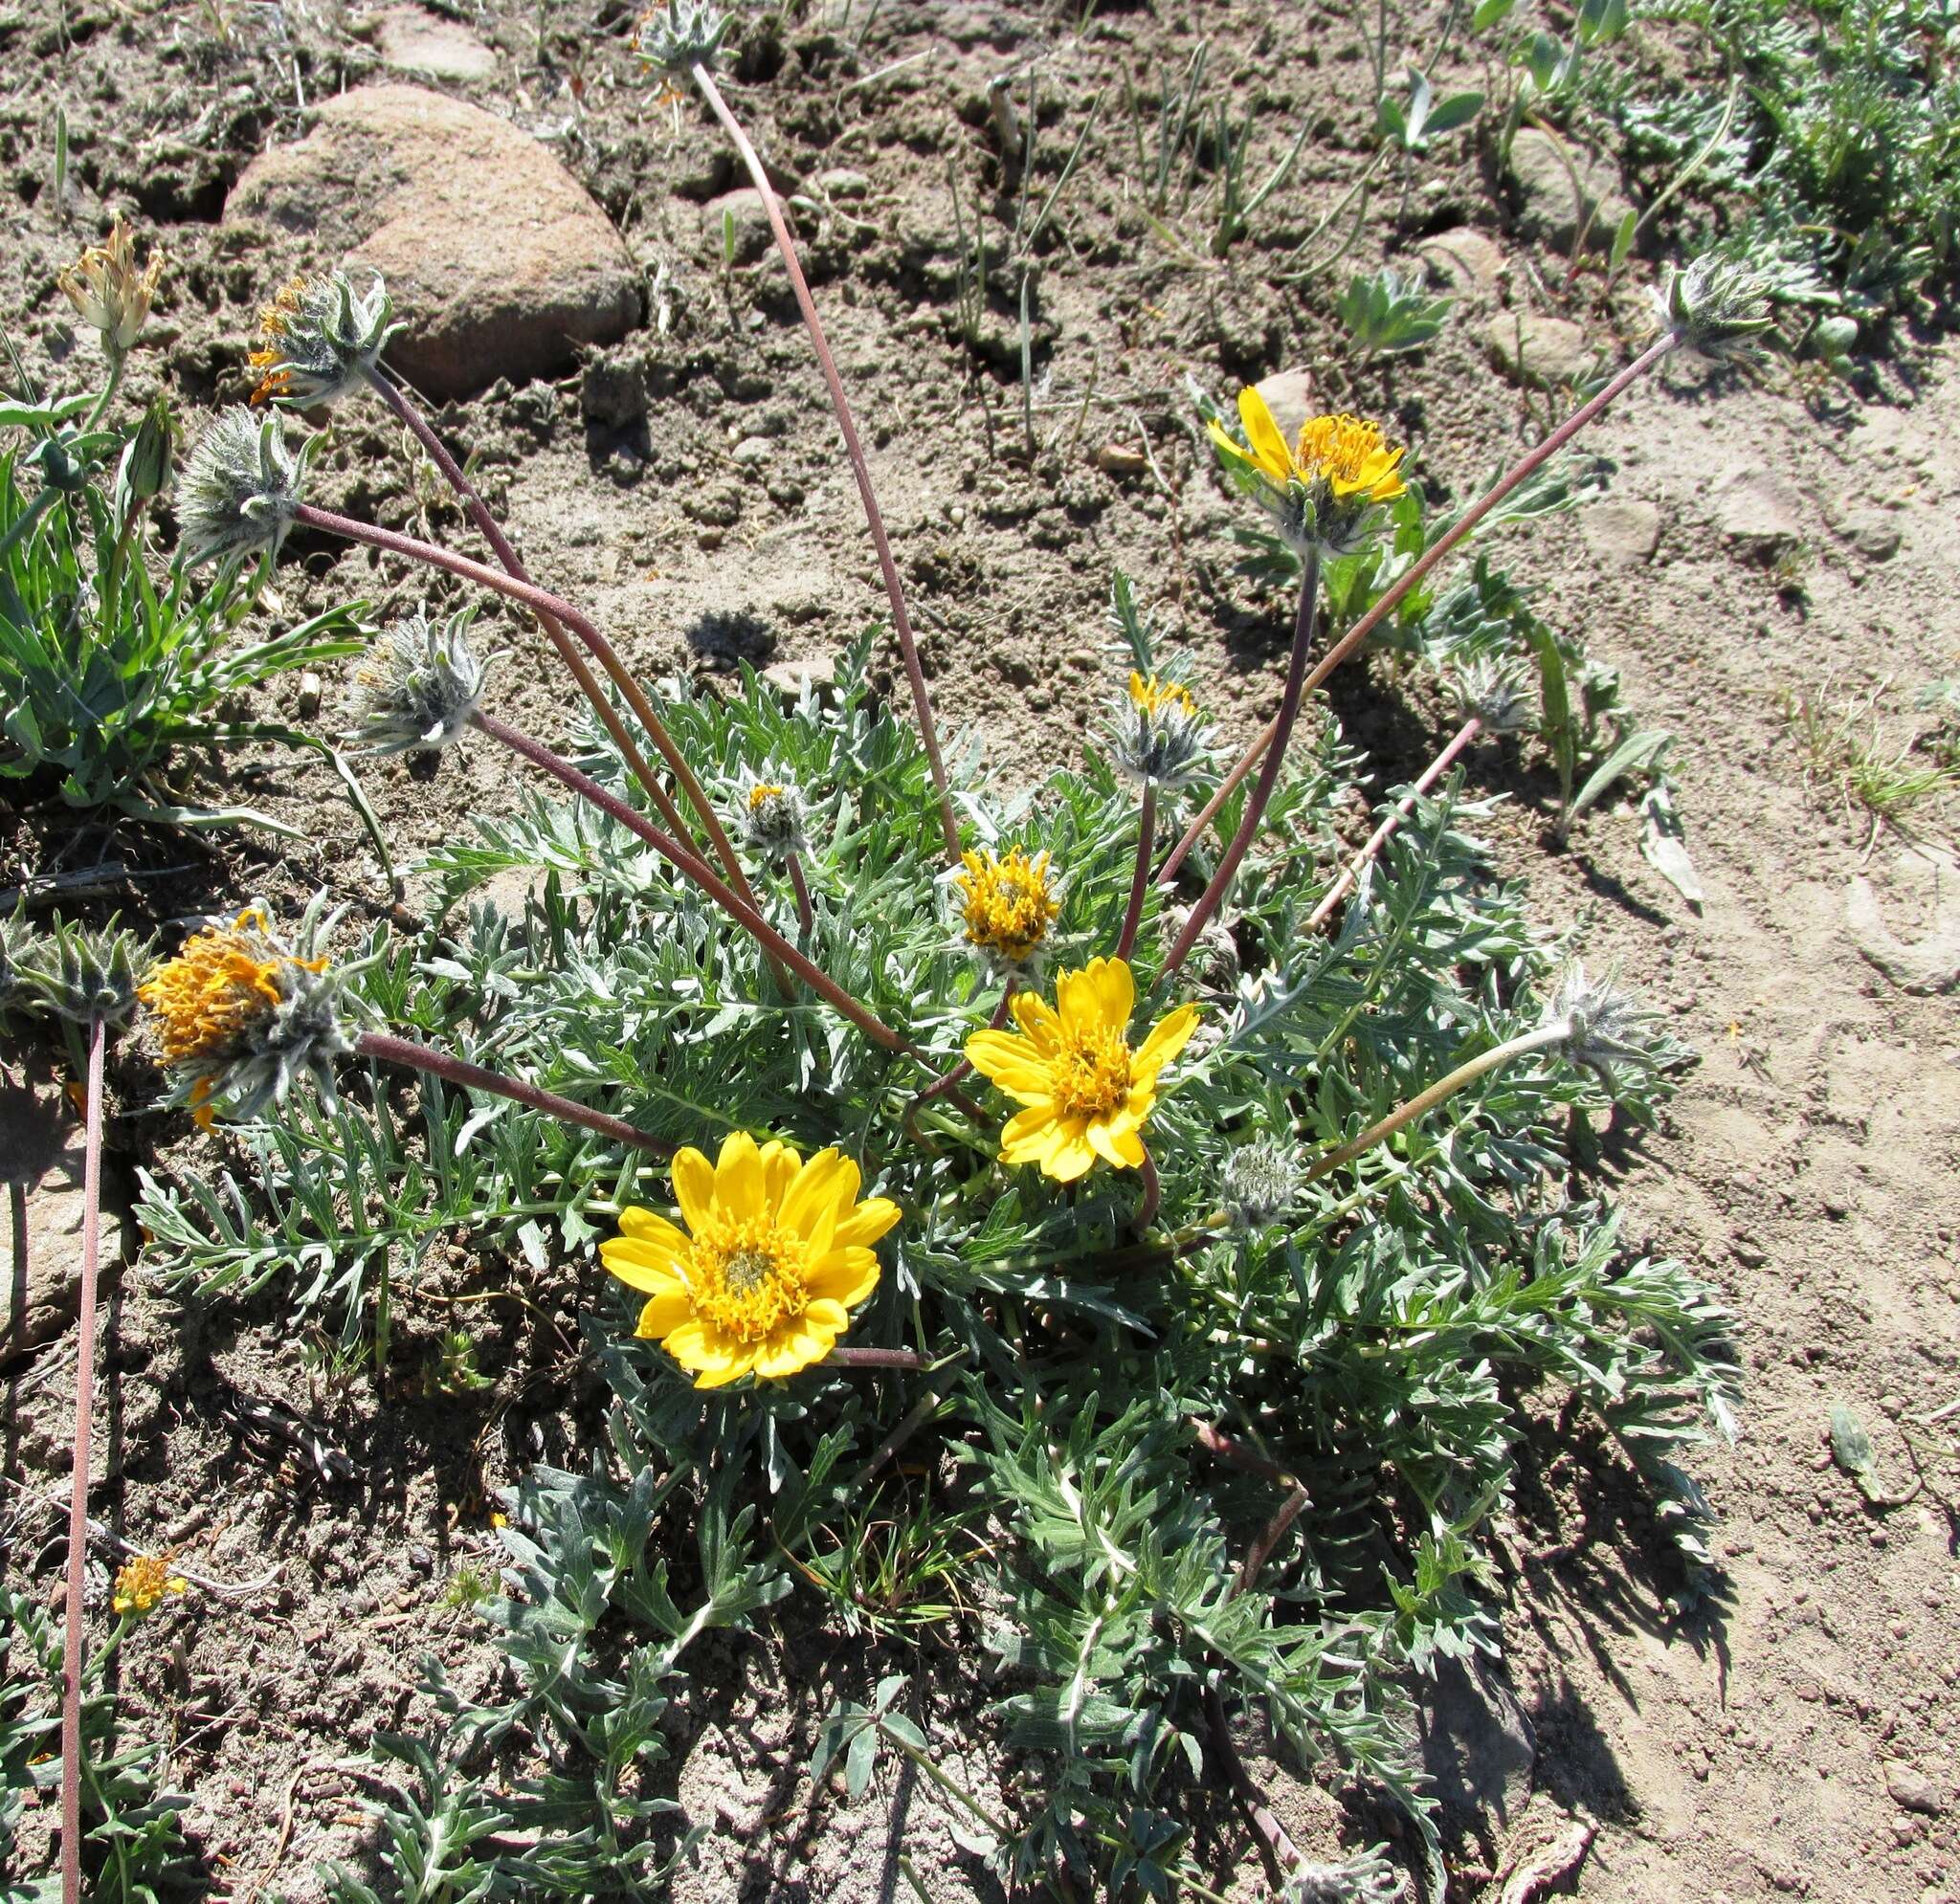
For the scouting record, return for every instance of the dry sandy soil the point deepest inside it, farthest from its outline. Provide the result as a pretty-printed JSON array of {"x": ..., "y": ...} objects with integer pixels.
[{"x": 1791, "y": 1740}]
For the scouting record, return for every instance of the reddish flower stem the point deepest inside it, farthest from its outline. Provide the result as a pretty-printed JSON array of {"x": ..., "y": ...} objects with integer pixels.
[
  {"x": 850, "y": 1358},
  {"x": 1379, "y": 838},
  {"x": 703, "y": 875},
  {"x": 78, "y": 1500},
  {"x": 387, "y": 1049},
  {"x": 1531, "y": 461},
  {"x": 1153, "y": 1196},
  {"x": 902, "y": 622},
  {"x": 1140, "y": 883},
  {"x": 806, "y": 916}
]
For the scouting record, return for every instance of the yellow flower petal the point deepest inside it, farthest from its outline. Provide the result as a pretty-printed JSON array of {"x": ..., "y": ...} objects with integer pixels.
[
  {"x": 663, "y": 1314},
  {"x": 694, "y": 1187},
  {"x": 1168, "y": 1037},
  {"x": 825, "y": 1181},
  {"x": 1025, "y": 1140},
  {"x": 1118, "y": 1145},
  {"x": 786, "y": 1355},
  {"x": 1038, "y": 1019},
  {"x": 1010, "y": 1062},
  {"x": 738, "y": 1177},
  {"x": 866, "y": 1224},
  {"x": 847, "y": 1275},
  {"x": 1078, "y": 997},
  {"x": 642, "y": 1225},
  {"x": 1115, "y": 989},
  {"x": 642, "y": 1266},
  {"x": 1070, "y": 1154},
  {"x": 780, "y": 1163},
  {"x": 1268, "y": 445}
]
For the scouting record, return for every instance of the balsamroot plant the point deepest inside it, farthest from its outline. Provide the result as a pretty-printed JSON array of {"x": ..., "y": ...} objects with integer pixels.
[{"x": 1193, "y": 1197}]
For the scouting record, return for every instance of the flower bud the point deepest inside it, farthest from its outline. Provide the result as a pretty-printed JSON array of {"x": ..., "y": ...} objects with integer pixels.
[
  {"x": 419, "y": 686},
  {"x": 1718, "y": 306},
  {"x": 241, "y": 488},
  {"x": 146, "y": 466},
  {"x": 683, "y": 33},
  {"x": 770, "y": 814},
  {"x": 1159, "y": 735},
  {"x": 85, "y": 974},
  {"x": 1603, "y": 1026},
  {"x": 321, "y": 339}
]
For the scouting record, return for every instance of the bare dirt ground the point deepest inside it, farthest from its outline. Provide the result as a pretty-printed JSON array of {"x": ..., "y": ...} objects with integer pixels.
[{"x": 1790, "y": 1735}]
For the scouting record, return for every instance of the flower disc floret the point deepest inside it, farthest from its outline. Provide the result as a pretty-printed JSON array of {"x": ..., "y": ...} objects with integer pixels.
[
  {"x": 1085, "y": 1092},
  {"x": 1009, "y": 903},
  {"x": 775, "y": 1254},
  {"x": 321, "y": 340}
]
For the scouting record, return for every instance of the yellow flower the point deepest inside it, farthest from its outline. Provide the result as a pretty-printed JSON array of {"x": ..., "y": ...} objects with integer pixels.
[
  {"x": 761, "y": 793},
  {"x": 1009, "y": 904},
  {"x": 775, "y": 1254},
  {"x": 269, "y": 360},
  {"x": 141, "y": 1585},
  {"x": 109, "y": 292},
  {"x": 1087, "y": 1093},
  {"x": 217, "y": 987},
  {"x": 1346, "y": 452},
  {"x": 1151, "y": 696}
]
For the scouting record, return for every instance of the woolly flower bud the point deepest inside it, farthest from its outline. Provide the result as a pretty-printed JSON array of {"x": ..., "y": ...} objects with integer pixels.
[
  {"x": 17, "y": 955},
  {"x": 1261, "y": 1182},
  {"x": 1493, "y": 692},
  {"x": 240, "y": 1015},
  {"x": 1159, "y": 735},
  {"x": 1603, "y": 1024},
  {"x": 109, "y": 292},
  {"x": 1718, "y": 306},
  {"x": 418, "y": 685},
  {"x": 84, "y": 974},
  {"x": 239, "y": 489},
  {"x": 683, "y": 33},
  {"x": 322, "y": 339},
  {"x": 770, "y": 813}
]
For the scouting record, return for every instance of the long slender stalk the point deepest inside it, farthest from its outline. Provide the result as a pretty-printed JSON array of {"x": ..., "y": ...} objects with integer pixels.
[
  {"x": 703, "y": 875},
  {"x": 1264, "y": 789},
  {"x": 387, "y": 1049},
  {"x": 1153, "y": 1197},
  {"x": 1379, "y": 838},
  {"x": 1526, "y": 465},
  {"x": 77, "y": 1500},
  {"x": 1140, "y": 882},
  {"x": 902, "y": 622}
]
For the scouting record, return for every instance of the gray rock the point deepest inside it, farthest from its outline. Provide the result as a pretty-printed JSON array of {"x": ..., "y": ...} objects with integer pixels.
[
  {"x": 410, "y": 40},
  {"x": 413, "y": 185},
  {"x": 1919, "y": 880},
  {"x": 752, "y": 451},
  {"x": 1874, "y": 533},
  {"x": 1465, "y": 261},
  {"x": 1477, "y": 1744},
  {"x": 1623, "y": 531},
  {"x": 1289, "y": 396},
  {"x": 1912, "y": 1790},
  {"x": 1561, "y": 187},
  {"x": 738, "y": 219},
  {"x": 841, "y": 182},
  {"x": 1530, "y": 348},
  {"x": 1758, "y": 513},
  {"x": 808, "y": 673}
]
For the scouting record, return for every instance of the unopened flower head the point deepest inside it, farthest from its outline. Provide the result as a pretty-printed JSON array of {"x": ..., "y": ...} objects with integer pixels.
[
  {"x": 1159, "y": 735},
  {"x": 321, "y": 339},
  {"x": 1006, "y": 905},
  {"x": 1212, "y": 960},
  {"x": 141, "y": 1583},
  {"x": 771, "y": 815},
  {"x": 240, "y": 1015},
  {"x": 110, "y": 293},
  {"x": 1603, "y": 1024},
  {"x": 85, "y": 974},
  {"x": 1493, "y": 693},
  {"x": 1718, "y": 306},
  {"x": 241, "y": 488},
  {"x": 1263, "y": 1181},
  {"x": 682, "y": 34},
  {"x": 418, "y": 685},
  {"x": 1326, "y": 490}
]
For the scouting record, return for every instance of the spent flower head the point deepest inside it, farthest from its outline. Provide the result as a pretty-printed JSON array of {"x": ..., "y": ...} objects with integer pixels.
[
  {"x": 417, "y": 686},
  {"x": 240, "y": 1014},
  {"x": 1261, "y": 1182},
  {"x": 682, "y": 34},
  {"x": 1005, "y": 905},
  {"x": 1493, "y": 693},
  {"x": 1158, "y": 735},
  {"x": 1326, "y": 490},
  {"x": 1719, "y": 305},
  {"x": 771, "y": 813},
  {"x": 241, "y": 488},
  {"x": 321, "y": 340},
  {"x": 1603, "y": 1024},
  {"x": 141, "y": 1583},
  {"x": 110, "y": 293}
]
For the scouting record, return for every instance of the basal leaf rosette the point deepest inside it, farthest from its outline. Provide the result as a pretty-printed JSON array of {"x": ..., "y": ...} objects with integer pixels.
[{"x": 776, "y": 1254}]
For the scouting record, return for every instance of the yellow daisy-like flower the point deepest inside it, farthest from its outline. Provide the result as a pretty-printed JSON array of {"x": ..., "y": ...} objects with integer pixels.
[
  {"x": 776, "y": 1254},
  {"x": 1009, "y": 902},
  {"x": 217, "y": 987},
  {"x": 1151, "y": 695},
  {"x": 1087, "y": 1093},
  {"x": 1345, "y": 452},
  {"x": 141, "y": 1585}
]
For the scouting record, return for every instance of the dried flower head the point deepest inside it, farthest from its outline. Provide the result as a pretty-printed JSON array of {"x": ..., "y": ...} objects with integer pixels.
[
  {"x": 240, "y": 1015},
  {"x": 84, "y": 974},
  {"x": 771, "y": 813},
  {"x": 1718, "y": 306},
  {"x": 417, "y": 686},
  {"x": 680, "y": 34},
  {"x": 241, "y": 488},
  {"x": 1493, "y": 693},
  {"x": 109, "y": 291},
  {"x": 321, "y": 339},
  {"x": 1603, "y": 1024},
  {"x": 142, "y": 1583},
  {"x": 1158, "y": 736},
  {"x": 1212, "y": 960},
  {"x": 1007, "y": 904},
  {"x": 1263, "y": 1181},
  {"x": 1327, "y": 489}
]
